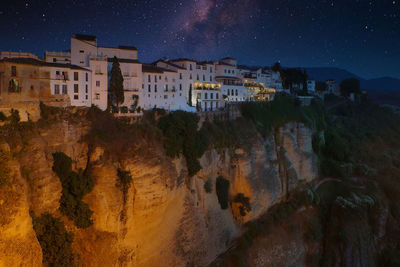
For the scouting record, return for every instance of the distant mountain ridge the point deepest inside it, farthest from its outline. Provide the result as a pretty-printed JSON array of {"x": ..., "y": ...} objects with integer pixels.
[
  {"x": 384, "y": 90},
  {"x": 337, "y": 74}
]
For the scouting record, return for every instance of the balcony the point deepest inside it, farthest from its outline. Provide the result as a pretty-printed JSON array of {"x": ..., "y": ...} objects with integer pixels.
[
  {"x": 129, "y": 75},
  {"x": 62, "y": 77}
]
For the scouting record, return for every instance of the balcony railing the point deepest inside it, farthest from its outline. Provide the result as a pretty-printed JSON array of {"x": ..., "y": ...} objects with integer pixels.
[
  {"x": 62, "y": 77},
  {"x": 127, "y": 74},
  {"x": 207, "y": 88}
]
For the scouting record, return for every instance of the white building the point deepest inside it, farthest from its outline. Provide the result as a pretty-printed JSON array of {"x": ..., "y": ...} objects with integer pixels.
[
  {"x": 232, "y": 83},
  {"x": 86, "y": 53},
  {"x": 332, "y": 87},
  {"x": 311, "y": 86},
  {"x": 161, "y": 88}
]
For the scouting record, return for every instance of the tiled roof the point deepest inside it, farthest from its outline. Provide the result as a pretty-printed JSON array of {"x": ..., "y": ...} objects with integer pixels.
[
  {"x": 227, "y": 77},
  {"x": 127, "y": 47},
  {"x": 40, "y": 63},
  {"x": 154, "y": 69},
  {"x": 84, "y": 37},
  {"x": 182, "y": 59},
  {"x": 124, "y": 60}
]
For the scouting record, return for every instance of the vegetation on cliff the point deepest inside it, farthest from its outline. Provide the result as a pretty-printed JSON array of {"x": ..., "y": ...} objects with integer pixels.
[
  {"x": 222, "y": 188},
  {"x": 55, "y": 241},
  {"x": 74, "y": 187}
]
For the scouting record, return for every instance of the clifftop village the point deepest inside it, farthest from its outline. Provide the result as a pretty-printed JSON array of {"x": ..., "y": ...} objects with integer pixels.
[{"x": 81, "y": 77}]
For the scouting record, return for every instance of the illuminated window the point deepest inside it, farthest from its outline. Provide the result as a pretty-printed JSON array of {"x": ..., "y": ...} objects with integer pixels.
[{"x": 13, "y": 86}]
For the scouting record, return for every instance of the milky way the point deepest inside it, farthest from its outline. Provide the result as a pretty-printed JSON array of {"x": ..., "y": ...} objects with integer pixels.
[{"x": 362, "y": 36}]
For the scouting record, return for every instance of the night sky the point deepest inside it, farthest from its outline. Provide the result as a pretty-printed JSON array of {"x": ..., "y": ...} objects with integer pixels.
[{"x": 358, "y": 35}]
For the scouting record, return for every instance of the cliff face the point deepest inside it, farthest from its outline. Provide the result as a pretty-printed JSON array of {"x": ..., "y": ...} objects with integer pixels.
[{"x": 164, "y": 216}]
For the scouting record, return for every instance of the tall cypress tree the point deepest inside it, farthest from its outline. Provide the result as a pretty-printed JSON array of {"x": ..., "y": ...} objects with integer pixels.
[{"x": 116, "y": 89}]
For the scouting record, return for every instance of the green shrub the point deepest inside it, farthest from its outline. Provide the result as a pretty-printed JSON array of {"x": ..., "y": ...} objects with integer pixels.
[
  {"x": 222, "y": 188},
  {"x": 14, "y": 117},
  {"x": 2, "y": 116},
  {"x": 55, "y": 241},
  {"x": 75, "y": 187},
  {"x": 245, "y": 201},
  {"x": 208, "y": 186},
  {"x": 181, "y": 136}
]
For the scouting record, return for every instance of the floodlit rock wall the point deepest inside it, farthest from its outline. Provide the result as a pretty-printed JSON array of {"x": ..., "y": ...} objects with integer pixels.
[{"x": 165, "y": 217}]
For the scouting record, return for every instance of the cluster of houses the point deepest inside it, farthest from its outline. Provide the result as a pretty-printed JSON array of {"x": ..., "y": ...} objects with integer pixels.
[{"x": 80, "y": 77}]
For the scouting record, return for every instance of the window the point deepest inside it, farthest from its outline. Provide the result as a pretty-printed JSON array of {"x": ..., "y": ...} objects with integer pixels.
[
  {"x": 32, "y": 87},
  {"x": 233, "y": 93},
  {"x": 54, "y": 59},
  {"x": 198, "y": 95},
  {"x": 97, "y": 83},
  {"x": 180, "y": 76},
  {"x": 81, "y": 51},
  {"x": 81, "y": 62},
  {"x": 56, "y": 89},
  {"x": 205, "y": 96},
  {"x": 97, "y": 96},
  {"x": 190, "y": 66},
  {"x": 87, "y": 97},
  {"x": 57, "y": 72},
  {"x": 13, "y": 86},
  {"x": 148, "y": 78},
  {"x": 166, "y": 87},
  {"x": 197, "y": 77},
  {"x": 149, "y": 88},
  {"x": 76, "y": 76},
  {"x": 217, "y": 97},
  {"x": 229, "y": 92},
  {"x": 165, "y": 96},
  {"x": 190, "y": 76},
  {"x": 64, "y": 89},
  {"x": 236, "y": 92},
  {"x": 86, "y": 89},
  {"x": 210, "y": 78},
  {"x": 225, "y": 70},
  {"x": 155, "y": 88},
  {"x": 13, "y": 70},
  {"x": 87, "y": 76},
  {"x": 180, "y": 87},
  {"x": 210, "y": 69},
  {"x": 76, "y": 97},
  {"x": 155, "y": 78},
  {"x": 211, "y": 96},
  {"x": 76, "y": 88}
]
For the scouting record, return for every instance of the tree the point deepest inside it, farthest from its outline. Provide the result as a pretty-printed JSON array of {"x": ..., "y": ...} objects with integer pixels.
[
  {"x": 320, "y": 86},
  {"x": 276, "y": 67},
  {"x": 348, "y": 86},
  {"x": 190, "y": 97},
  {"x": 116, "y": 89}
]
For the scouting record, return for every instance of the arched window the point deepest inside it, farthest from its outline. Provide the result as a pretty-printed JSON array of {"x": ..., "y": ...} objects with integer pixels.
[{"x": 13, "y": 86}]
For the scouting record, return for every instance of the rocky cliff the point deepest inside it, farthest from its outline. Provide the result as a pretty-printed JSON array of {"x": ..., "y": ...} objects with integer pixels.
[{"x": 164, "y": 217}]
